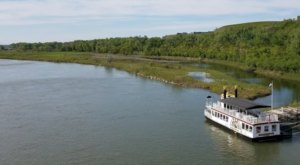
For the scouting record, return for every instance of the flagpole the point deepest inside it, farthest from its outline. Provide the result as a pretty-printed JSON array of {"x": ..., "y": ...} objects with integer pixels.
[{"x": 272, "y": 96}]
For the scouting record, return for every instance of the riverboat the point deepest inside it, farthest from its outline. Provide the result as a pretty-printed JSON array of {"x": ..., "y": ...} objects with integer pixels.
[{"x": 243, "y": 117}]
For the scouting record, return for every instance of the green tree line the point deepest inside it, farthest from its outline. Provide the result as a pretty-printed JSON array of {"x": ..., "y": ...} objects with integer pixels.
[{"x": 266, "y": 45}]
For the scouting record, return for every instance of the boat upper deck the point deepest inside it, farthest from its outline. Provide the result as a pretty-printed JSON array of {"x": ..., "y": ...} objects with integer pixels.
[{"x": 245, "y": 114}]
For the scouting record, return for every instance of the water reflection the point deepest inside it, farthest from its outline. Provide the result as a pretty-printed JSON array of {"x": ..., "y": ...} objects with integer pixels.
[
  {"x": 251, "y": 80},
  {"x": 8, "y": 63},
  {"x": 241, "y": 150},
  {"x": 202, "y": 76},
  {"x": 80, "y": 114},
  {"x": 285, "y": 91}
]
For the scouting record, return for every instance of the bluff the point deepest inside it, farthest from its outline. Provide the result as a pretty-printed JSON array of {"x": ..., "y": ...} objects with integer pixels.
[{"x": 266, "y": 45}]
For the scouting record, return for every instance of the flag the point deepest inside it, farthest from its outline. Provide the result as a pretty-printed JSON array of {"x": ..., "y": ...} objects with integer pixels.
[{"x": 271, "y": 85}]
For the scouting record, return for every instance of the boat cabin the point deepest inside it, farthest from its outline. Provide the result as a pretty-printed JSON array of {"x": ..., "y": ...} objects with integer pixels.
[{"x": 243, "y": 116}]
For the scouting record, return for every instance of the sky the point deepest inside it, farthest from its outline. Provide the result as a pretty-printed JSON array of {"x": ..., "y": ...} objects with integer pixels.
[{"x": 68, "y": 20}]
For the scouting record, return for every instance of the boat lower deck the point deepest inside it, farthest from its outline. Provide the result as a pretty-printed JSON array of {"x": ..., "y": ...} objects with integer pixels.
[{"x": 258, "y": 139}]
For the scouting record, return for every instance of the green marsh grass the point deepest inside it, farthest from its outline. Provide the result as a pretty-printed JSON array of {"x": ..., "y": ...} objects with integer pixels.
[{"x": 168, "y": 72}]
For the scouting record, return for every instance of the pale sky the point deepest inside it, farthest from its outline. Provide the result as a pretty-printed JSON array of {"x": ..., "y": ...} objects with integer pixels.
[{"x": 68, "y": 20}]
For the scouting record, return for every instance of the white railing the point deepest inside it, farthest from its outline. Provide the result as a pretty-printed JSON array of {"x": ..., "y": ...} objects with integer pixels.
[{"x": 262, "y": 117}]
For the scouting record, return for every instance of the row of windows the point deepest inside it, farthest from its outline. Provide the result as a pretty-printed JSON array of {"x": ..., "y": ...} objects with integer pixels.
[
  {"x": 246, "y": 127},
  {"x": 266, "y": 128},
  {"x": 249, "y": 128},
  {"x": 227, "y": 106},
  {"x": 220, "y": 116}
]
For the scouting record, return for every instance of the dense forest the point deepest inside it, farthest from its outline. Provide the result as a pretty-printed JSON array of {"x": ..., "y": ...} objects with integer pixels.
[{"x": 265, "y": 45}]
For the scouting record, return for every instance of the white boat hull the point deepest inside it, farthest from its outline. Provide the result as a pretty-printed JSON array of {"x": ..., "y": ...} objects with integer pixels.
[{"x": 268, "y": 130}]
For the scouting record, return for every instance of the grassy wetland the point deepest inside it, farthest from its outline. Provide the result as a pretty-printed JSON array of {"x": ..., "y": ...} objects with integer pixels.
[
  {"x": 271, "y": 49},
  {"x": 168, "y": 70}
]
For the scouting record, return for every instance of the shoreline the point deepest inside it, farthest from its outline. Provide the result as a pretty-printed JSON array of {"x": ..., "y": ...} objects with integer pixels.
[
  {"x": 237, "y": 65},
  {"x": 267, "y": 73},
  {"x": 169, "y": 71}
]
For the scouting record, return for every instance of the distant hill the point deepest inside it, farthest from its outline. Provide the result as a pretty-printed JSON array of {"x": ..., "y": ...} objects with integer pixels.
[{"x": 265, "y": 45}]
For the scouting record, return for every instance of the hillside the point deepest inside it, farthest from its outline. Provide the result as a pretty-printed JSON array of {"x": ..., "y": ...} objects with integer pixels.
[{"x": 264, "y": 45}]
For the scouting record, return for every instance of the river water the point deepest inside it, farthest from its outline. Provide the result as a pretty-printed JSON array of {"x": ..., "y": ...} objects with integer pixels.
[
  {"x": 285, "y": 92},
  {"x": 78, "y": 114}
]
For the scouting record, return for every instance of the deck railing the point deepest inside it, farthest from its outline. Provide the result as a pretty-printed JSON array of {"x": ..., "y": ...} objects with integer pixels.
[{"x": 263, "y": 117}]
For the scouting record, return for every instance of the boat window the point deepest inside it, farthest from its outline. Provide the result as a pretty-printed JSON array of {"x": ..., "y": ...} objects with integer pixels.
[
  {"x": 223, "y": 117},
  {"x": 258, "y": 129},
  {"x": 250, "y": 129},
  {"x": 224, "y": 105},
  {"x": 273, "y": 128},
  {"x": 243, "y": 126},
  {"x": 226, "y": 118},
  {"x": 246, "y": 127},
  {"x": 266, "y": 128}
]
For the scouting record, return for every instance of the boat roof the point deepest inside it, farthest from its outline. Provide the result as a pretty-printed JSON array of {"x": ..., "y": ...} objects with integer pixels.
[{"x": 243, "y": 103}]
